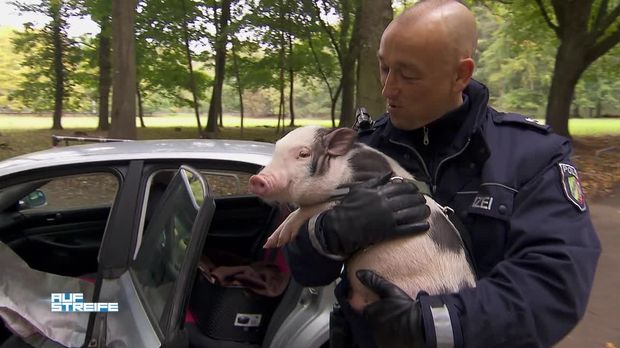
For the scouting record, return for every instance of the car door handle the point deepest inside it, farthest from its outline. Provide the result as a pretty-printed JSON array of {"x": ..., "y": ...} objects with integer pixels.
[
  {"x": 77, "y": 244},
  {"x": 53, "y": 217}
]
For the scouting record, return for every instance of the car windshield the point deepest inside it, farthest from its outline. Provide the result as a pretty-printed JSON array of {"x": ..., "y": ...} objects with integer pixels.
[{"x": 165, "y": 242}]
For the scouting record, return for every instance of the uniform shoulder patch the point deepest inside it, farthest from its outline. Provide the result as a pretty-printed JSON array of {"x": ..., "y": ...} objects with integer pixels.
[
  {"x": 572, "y": 186},
  {"x": 522, "y": 120}
]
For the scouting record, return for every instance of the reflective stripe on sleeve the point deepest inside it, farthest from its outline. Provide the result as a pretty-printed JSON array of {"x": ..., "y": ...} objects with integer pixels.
[
  {"x": 443, "y": 327},
  {"x": 315, "y": 241}
]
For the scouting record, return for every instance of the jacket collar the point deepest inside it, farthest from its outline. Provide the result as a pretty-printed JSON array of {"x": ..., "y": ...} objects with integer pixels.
[{"x": 477, "y": 96}]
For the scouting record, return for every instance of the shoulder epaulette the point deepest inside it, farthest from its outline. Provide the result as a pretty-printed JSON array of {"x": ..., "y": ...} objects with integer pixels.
[{"x": 517, "y": 119}]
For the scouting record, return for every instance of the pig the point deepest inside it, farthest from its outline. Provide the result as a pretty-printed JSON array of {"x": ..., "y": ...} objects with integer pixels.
[{"x": 310, "y": 163}]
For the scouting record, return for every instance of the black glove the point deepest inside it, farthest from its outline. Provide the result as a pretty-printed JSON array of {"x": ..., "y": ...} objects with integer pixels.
[
  {"x": 395, "y": 319},
  {"x": 372, "y": 212}
]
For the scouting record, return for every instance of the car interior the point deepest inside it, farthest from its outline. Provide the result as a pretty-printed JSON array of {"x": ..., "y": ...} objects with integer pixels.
[
  {"x": 242, "y": 292},
  {"x": 51, "y": 234}
]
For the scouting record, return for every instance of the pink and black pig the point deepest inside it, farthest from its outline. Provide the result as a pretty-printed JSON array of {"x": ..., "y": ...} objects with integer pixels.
[{"x": 310, "y": 163}]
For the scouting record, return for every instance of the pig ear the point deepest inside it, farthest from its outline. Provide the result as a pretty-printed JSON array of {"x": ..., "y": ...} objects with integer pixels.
[{"x": 339, "y": 141}]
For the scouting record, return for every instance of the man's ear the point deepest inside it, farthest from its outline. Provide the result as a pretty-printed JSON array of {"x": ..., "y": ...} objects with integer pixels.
[
  {"x": 464, "y": 72},
  {"x": 339, "y": 141}
]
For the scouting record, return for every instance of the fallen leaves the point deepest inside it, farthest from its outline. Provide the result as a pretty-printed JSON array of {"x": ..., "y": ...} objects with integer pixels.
[{"x": 599, "y": 170}]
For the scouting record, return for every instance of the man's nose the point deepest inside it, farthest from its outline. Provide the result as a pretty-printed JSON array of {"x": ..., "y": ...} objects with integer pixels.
[{"x": 390, "y": 86}]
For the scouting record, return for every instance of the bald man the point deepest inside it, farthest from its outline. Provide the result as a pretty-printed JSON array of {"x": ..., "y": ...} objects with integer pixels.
[{"x": 508, "y": 178}]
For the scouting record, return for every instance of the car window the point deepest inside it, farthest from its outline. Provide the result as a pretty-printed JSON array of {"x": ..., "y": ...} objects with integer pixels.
[
  {"x": 81, "y": 191},
  {"x": 164, "y": 244},
  {"x": 227, "y": 183},
  {"x": 222, "y": 183}
]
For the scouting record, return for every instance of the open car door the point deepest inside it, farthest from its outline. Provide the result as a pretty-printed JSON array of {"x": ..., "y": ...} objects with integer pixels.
[{"x": 152, "y": 294}]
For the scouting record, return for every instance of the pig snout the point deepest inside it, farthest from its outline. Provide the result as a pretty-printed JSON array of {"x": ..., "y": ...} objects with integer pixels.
[{"x": 261, "y": 185}]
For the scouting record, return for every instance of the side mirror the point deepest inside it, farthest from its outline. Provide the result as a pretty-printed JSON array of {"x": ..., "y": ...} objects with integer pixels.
[{"x": 34, "y": 199}]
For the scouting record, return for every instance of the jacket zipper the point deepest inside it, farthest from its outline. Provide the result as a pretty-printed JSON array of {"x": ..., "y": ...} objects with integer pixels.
[
  {"x": 425, "y": 141},
  {"x": 428, "y": 174},
  {"x": 445, "y": 159},
  {"x": 433, "y": 178}
]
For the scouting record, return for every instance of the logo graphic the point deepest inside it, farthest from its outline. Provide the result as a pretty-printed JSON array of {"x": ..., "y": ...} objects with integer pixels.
[
  {"x": 572, "y": 186},
  {"x": 74, "y": 302}
]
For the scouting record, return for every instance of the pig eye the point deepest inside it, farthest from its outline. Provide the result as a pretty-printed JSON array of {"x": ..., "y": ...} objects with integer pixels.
[{"x": 303, "y": 154}]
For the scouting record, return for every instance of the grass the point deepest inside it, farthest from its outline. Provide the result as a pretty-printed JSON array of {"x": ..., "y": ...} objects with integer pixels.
[
  {"x": 27, "y": 133},
  {"x": 15, "y": 122},
  {"x": 594, "y": 126},
  {"x": 577, "y": 127},
  {"x": 24, "y": 134}
]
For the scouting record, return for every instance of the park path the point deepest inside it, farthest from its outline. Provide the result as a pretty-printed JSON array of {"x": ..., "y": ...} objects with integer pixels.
[{"x": 600, "y": 326}]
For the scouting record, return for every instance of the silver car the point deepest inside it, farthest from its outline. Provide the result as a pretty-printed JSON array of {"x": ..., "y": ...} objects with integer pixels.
[{"x": 164, "y": 229}]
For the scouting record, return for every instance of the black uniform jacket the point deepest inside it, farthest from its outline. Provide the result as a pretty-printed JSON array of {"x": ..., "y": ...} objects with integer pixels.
[{"x": 511, "y": 182}]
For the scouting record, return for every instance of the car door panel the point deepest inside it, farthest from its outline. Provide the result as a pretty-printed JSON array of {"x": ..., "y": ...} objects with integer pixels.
[
  {"x": 153, "y": 293},
  {"x": 62, "y": 242}
]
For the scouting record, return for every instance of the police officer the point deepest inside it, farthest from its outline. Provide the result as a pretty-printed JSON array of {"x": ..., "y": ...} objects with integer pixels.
[{"x": 509, "y": 179}]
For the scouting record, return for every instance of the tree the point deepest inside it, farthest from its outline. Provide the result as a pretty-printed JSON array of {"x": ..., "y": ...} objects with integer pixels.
[
  {"x": 515, "y": 59},
  {"x": 598, "y": 87},
  {"x": 104, "y": 51},
  {"x": 221, "y": 39},
  {"x": 11, "y": 71},
  {"x": 374, "y": 17},
  {"x": 345, "y": 41},
  {"x": 167, "y": 67},
  {"x": 587, "y": 29},
  {"x": 124, "y": 70},
  {"x": 190, "y": 68},
  {"x": 48, "y": 58},
  {"x": 100, "y": 12}
]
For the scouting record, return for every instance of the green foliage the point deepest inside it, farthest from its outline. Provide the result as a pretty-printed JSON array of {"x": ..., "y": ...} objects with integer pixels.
[
  {"x": 162, "y": 60},
  {"x": 516, "y": 56},
  {"x": 11, "y": 70},
  {"x": 597, "y": 90},
  {"x": 36, "y": 90}
]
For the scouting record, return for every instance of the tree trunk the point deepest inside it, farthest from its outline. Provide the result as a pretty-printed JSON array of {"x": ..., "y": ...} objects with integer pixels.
[
  {"x": 569, "y": 65},
  {"x": 347, "y": 115},
  {"x": 348, "y": 93},
  {"x": 291, "y": 78},
  {"x": 576, "y": 112},
  {"x": 239, "y": 86},
  {"x": 282, "y": 86},
  {"x": 140, "y": 109},
  {"x": 59, "y": 69},
  {"x": 123, "y": 124},
  {"x": 334, "y": 102},
  {"x": 584, "y": 37},
  {"x": 105, "y": 75},
  {"x": 192, "y": 80},
  {"x": 221, "y": 38},
  {"x": 375, "y": 15}
]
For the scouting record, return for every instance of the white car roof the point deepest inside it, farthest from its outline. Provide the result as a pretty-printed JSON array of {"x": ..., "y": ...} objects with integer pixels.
[{"x": 252, "y": 152}]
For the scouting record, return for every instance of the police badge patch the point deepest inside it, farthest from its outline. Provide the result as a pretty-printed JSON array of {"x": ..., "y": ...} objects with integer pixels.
[{"x": 572, "y": 186}]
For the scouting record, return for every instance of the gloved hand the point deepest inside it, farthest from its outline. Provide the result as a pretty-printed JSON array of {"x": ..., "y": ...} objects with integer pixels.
[
  {"x": 372, "y": 212},
  {"x": 395, "y": 319}
]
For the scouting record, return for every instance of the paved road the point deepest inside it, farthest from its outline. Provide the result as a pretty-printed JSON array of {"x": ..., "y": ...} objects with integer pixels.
[{"x": 601, "y": 325}]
